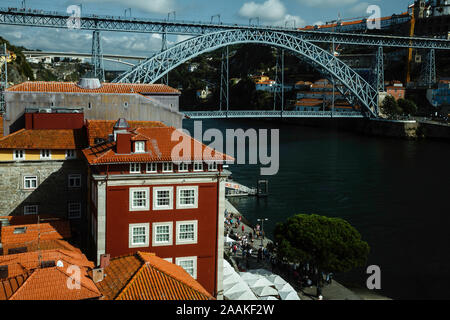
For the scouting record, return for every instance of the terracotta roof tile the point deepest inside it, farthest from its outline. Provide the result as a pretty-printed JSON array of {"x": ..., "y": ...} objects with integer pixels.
[
  {"x": 39, "y": 245},
  {"x": 72, "y": 87},
  {"x": 159, "y": 146},
  {"x": 53, "y": 230},
  {"x": 45, "y": 139},
  {"x": 144, "y": 276}
]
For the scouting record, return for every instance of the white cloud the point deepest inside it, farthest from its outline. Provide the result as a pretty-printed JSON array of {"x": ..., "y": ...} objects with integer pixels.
[
  {"x": 150, "y": 6},
  {"x": 359, "y": 9},
  {"x": 271, "y": 10},
  {"x": 288, "y": 21},
  {"x": 327, "y": 3}
]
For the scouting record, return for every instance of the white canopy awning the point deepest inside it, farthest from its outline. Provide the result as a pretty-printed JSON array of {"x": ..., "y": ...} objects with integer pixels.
[
  {"x": 276, "y": 279},
  {"x": 289, "y": 295},
  {"x": 246, "y": 295},
  {"x": 261, "y": 282},
  {"x": 264, "y": 291}
]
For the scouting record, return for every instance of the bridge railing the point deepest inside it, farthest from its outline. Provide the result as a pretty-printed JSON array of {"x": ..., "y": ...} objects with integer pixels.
[{"x": 271, "y": 114}]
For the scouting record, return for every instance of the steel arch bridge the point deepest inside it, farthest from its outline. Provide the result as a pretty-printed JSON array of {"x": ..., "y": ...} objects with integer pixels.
[{"x": 162, "y": 63}]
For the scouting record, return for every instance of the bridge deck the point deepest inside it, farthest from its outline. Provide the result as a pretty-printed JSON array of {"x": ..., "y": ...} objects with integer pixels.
[{"x": 270, "y": 114}]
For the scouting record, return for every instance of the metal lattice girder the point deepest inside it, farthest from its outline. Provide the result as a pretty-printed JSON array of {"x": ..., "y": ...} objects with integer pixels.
[
  {"x": 164, "y": 80},
  {"x": 97, "y": 56},
  {"x": 278, "y": 94},
  {"x": 270, "y": 114},
  {"x": 428, "y": 75},
  {"x": 3, "y": 78},
  {"x": 154, "y": 68},
  {"x": 380, "y": 69},
  {"x": 39, "y": 18},
  {"x": 225, "y": 80}
]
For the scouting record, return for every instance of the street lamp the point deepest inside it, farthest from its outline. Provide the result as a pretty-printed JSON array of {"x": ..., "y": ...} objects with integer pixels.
[{"x": 262, "y": 228}]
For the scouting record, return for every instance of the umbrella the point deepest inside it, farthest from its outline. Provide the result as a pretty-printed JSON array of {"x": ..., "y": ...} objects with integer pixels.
[
  {"x": 246, "y": 295},
  {"x": 276, "y": 280},
  {"x": 268, "y": 298},
  {"x": 246, "y": 276},
  {"x": 262, "y": 272},
  {"x": 261, "y": 282},
  {"x": 232, "y": 278},
  {"x": 239, "y": 287},
  {"x": 264, "y": 291},
  {"x": 289, "y": 295},
  {"x": 284, "y": 287},
  {"x": 229, "y": 240},
  {"x": 226, "y": 263}
]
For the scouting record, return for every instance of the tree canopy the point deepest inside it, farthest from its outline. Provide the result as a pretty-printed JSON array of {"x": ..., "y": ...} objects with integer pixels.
[{"x": 330, "y": 244}]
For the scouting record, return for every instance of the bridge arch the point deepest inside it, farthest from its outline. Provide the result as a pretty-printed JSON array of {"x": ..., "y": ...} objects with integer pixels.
[{"x": 160, "y": 64}]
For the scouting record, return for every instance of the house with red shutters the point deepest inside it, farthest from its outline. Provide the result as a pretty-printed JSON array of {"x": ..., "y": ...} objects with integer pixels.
[{"x": 144, "y": 198}]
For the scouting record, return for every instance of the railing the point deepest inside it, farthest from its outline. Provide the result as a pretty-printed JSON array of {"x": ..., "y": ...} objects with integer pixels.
[{"x": 270, "y": 114}]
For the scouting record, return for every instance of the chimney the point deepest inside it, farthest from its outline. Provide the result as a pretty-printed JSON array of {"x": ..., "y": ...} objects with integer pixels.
[
  {"x": 98, "y": 275},
  {"x": 104, "y": 260}
]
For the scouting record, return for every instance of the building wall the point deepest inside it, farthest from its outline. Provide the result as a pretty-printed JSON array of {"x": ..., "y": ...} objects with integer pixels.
[
  {"x": 96, "y": 107},
  {"x": 52, "y": 194},
  {"x": 119, "y": 217}
]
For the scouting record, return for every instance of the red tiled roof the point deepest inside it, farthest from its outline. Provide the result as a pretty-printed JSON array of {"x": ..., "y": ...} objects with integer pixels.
[
  {"x": 44, "y": 139},
  {"x": 40, "y": 245},
  {"x": 144, "y": 276},
  {"x": 103, "y": 128},
  {"x": 159, "y": 145},
  {"x": 54, "y": 230},
  {"x": 9, "y": 286},
  {"x": 72, "y": 87}
]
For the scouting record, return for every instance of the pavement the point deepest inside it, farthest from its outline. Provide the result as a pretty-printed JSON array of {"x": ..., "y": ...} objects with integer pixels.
[{"x": 333, "y": 291}]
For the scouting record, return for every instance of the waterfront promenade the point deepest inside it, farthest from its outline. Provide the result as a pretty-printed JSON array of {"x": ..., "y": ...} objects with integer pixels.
[{"x": 334, "y": 291}]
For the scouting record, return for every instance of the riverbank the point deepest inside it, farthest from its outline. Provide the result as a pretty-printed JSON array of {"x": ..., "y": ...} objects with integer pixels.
[{"x": 334, "y": 291}]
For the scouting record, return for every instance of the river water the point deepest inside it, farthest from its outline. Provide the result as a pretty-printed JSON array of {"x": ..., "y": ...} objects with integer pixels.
[{"x": 395, "y": 192}]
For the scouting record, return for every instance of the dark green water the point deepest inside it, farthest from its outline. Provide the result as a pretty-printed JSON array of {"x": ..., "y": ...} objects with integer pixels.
[{"x": 395, "y": 192}]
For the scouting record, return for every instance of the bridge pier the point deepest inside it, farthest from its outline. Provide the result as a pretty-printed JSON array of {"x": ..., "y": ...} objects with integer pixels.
[
  {"x": 380, "y": 70},
  {"x": 3, "y": 79},
  {"x": 97, "y": 56},
  {"x": 164, "y": 80},
  {"x": 279, "y": 95},
  {"x": 428, "y": 77},
  {"x": 225, "y": 80}
]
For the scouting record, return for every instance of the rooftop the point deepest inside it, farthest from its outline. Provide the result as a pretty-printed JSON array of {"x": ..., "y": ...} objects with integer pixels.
[
  {"x": 144, "y": 276},
  {"x": 27, "y": 233},
  {"x": 73, "y": 87}
]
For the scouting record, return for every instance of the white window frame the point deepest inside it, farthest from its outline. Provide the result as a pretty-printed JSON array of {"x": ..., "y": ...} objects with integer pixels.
[
  {"x": 147, "y": 199},
  {"x": 25, "y": 178},
  {"x": 133, "y": 167},
  {"x": 155, "y": 226},
  {"x": 183, "y": 167},
  {"x": 198, "y": 166},
  {"x": 71, "y": 154},
  {"x": 212, "y": 166},
  {"x": 26, "y": 212},
  {"x": 46, "y": 156},
  {"x": 75, "y": 177},
  {"x": 155, "y": 198},
  {"x": 153, "y": 166},
  {"x": 178, "y": 262},
  {"x": 169, "y": 260},
  {"x": 145, "y": 244},
  {"x": 19, "y": 152},
  {"x": 179, "y": 241},
  {"x": 187, "y": 206},
  {"x": 170, "y": 167},
  {"x": 77, "y": 211},
  {"x": 139, "y": 147}
]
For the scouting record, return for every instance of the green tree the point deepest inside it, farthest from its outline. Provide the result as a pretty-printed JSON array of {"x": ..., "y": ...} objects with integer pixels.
[
  {"x": 407, "y": 106},
  {"x": 390, "y": 106},
  {"x": 329, "y": 244}
]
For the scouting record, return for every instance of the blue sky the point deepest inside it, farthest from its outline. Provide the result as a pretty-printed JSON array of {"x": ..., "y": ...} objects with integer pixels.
[{"x": 271, "y": 12}]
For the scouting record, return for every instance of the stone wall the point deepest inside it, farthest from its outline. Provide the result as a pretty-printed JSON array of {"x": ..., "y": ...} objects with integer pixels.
[
  {"x": 96, "y": 107},
  {"x": 52, "y": 193}
]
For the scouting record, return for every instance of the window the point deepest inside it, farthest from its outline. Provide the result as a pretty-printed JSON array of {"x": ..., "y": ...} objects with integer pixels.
[
  {"x": 167, "y": 167},
  {"x": 152, "y": 167},
  {"x": 183, "y": 167},
  {"x": 162, "y": 198},
  {"x": 198, "y": 166},
  {"x": 186, "y": 232},
  {"x": 71, "y": 154},
  {"x": 74, "y": 180},
  {"x": 162, "y": 234},
  {"x": 189, "y": 264},
  {"x": 187, "y": 197},
  {"x": 139, "y": 199},
  {"x": 46, "y": 154},
  {"x": 30, "y": 209},
  {"x": 135, "y": 168},
  {"x": 74, "y": 210},
  {"x": 169, "y": 260},
  {"x": 19, "y": 155},
  {"x": 212, "y": 166},
  {"x": 139, "y": 147},
  {"x": 139, "y": 235},
  {"x": 30, "y": 182},
  {"x": 20, "y": 230}
]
